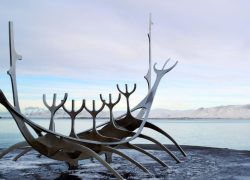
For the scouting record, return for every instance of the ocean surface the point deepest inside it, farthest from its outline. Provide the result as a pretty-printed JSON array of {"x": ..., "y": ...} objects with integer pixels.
[{"x": 223, "y": 133}]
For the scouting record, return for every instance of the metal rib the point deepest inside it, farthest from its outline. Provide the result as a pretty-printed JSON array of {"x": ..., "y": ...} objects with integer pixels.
[
  {"x": 145, "y": 152},
  {"x": 22, "y": 153},
  {"x": 112, "y": 150}
]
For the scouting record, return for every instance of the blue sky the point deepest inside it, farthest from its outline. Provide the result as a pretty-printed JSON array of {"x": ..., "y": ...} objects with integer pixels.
[{"x": 86, "y": 47}]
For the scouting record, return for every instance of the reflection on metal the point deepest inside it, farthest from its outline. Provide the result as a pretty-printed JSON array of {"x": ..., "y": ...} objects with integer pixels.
[
  {"x": 12, "y": 71},
  {"x": 148, "y": 75},
  {"x": 100, "y": 139}
]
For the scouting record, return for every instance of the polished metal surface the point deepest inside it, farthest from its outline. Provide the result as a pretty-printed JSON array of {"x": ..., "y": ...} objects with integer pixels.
[
  {"x": 148, "y": 75},
  {"x": 14, "y": 56}
]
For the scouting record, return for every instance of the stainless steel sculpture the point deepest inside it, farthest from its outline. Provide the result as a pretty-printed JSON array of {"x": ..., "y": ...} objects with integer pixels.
[
  {"x": 91, "y": 143},
  {"x": 12, "y": 71}
]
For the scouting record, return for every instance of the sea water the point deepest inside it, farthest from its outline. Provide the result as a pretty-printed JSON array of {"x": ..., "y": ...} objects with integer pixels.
[{"x": 223, "y": 133}]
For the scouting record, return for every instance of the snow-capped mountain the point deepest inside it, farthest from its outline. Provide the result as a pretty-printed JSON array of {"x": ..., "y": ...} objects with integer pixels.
[{"x": 230, "y": 111}]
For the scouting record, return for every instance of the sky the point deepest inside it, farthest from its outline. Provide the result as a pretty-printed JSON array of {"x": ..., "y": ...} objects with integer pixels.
[{"x": 85, "y": 48}]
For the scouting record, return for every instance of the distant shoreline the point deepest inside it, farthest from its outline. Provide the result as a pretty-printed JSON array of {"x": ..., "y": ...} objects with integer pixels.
[
  {"x": 218, "y": 112},
  {"x": 151, "y": 118}
]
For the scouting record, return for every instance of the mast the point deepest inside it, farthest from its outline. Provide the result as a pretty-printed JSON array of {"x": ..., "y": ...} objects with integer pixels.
[
  {"x": 12, "y": 71},
  {"x": 148, "y": 75}
]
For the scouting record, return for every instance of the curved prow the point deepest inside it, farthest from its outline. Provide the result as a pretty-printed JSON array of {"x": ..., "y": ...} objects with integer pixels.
[
  {"x": 162, "y": 72},
  {"x": 21, "y": 125},
  {"x": 148, "y": 100}
]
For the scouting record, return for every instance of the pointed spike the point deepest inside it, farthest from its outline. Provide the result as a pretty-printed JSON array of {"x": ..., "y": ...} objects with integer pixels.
[
  {"x": 93, "y": 105},
  {"x": 126, "y": 86},
  {"x": 110, "y": 100},
  {"x": 118, "y": 99},
  {"x": 65, "y": 97},
  {"x": 165, "y": 63},
  {"x": 103, "y": 100},
  {"x": 83, "y": 104},
  {"x": 73, "y": 105},
  {"x": 133, "y": 89},
  {"x": 118, "y": 88},
  {"x": 45, "y": 102},
  {"x": 156, "y": 70},
  {"x": 54, "y": 99}
]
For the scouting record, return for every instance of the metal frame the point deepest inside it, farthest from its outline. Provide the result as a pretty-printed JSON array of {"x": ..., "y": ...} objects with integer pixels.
[{"x": 91, "y": 143}]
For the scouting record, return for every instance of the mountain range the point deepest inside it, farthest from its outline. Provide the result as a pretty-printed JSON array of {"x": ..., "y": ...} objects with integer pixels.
[{"x": 229, "y": 111}]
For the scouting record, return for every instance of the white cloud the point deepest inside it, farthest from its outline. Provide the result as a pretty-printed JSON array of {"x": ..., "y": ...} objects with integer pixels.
[{"x": 106, "y": 42}]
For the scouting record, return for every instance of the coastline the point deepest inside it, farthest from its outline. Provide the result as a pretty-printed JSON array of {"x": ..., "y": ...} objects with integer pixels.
[
  {"x": 200, "y": 163},
  {"x": 150, "y": 118}
]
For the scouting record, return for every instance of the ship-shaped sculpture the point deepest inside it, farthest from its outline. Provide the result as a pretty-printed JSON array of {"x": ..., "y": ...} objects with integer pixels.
[{"x": 100, "y": 139}]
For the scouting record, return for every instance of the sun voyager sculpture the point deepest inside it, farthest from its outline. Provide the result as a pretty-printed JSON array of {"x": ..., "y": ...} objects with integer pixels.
[{"x": 100, "y": 139}]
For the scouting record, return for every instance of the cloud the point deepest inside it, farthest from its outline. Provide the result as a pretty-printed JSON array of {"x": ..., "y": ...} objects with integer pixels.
[{"x": 81, "y": 44}]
